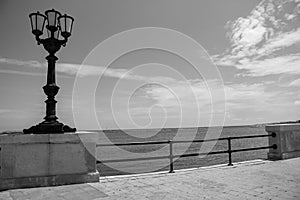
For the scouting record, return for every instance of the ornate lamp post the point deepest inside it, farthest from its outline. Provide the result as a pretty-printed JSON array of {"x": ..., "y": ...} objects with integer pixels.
[{"x": 57, "y": 25}]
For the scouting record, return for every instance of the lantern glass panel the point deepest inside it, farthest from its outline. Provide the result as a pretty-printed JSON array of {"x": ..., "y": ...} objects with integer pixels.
[
  {"x": 37, "y": 23},
  {"x": 52, "y": 16},
  {"x": 33, "y": 21},
  {"x": 40, "y": 22},
  {"x": 66, "y": 24}
]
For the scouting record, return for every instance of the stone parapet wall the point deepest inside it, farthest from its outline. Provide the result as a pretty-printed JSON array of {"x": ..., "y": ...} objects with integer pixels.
[
  {"x": 287, "y": 140},
  {"x": 47, "y": 159}
]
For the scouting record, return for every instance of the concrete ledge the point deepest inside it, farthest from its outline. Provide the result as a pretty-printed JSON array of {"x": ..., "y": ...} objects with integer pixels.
[
  {"x": 283, "y": 127},
  {"x": 48, "y": 138},
  {"x": 47, "y": 159},
  {"x": 42, "y": 181},
  {"x": 287, "y": 140}
]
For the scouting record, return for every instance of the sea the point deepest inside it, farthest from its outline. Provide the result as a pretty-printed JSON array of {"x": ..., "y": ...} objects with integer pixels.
[{"x": 175, "y": 134}]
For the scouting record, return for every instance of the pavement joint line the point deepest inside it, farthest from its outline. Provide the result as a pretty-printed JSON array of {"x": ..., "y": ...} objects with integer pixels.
[{"x": 220, "y": 166}]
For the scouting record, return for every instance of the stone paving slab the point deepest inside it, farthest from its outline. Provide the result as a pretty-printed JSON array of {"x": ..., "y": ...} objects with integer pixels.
[{"x": 249, "y": 180}]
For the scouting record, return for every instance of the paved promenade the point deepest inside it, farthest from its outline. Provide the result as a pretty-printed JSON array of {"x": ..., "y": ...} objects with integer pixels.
[{"x": 249, "y": 180}]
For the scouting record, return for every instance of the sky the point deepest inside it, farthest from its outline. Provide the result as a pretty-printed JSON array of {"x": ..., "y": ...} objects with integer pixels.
[{"x": 247, "y": 71}]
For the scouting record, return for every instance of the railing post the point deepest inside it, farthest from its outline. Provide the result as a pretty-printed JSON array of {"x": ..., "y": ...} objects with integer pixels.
[
  {"x": 171, "y": 156},
  {"x": 229, "y": 151},
  {"x": 0, "y": 163}
]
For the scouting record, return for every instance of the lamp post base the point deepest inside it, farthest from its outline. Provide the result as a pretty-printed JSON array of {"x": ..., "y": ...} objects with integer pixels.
[{"x": 49, "y": 127}]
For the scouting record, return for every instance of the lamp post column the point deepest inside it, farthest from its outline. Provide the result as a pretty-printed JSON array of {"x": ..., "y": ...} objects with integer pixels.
[{"x": 51, "y": 89}]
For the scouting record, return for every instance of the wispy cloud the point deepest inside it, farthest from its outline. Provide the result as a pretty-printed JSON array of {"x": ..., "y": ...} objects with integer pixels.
[
  {"x": 274, "y": 65},
  {"x": 4, "y": 111},
  {"x": 29, "y": 63},
  {"x": 80, "y": 70},
  {"x": 295, "y": 83},
  {"x": 11, "y": 113},
  {"x": 188, "y": 96},
  {"x": 3, "y": 71},
  {"x": 64, "y": 68},
  {"x": 257, "y": 41}
]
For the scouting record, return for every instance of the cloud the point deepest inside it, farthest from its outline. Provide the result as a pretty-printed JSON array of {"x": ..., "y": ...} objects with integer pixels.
[
  {"x": 295, "y": 83},
  {"x": 80, "y": 70},
  {"x": 290, "y": 16},
  {"x": 11, "y": 113},
  {"x": 297, "y": 102},
  {"x": 64, "y": 68},
  {"x": 246, "y": 32},
  {"x": 30, "y": 63},
  {"x": 259, "y": 40},
  {"x": 288, "y": 64},
  {"x": 187, "y": 96},
  {"x": 5, "y": 111},
  {"x": 245, "y": 102},
  {"x": 282, "y": 40},
  {"x": 3, "y": 71}
]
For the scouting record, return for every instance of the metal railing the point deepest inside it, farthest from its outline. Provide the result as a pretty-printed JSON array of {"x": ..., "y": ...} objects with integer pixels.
[{"x": 229, "y": 150}]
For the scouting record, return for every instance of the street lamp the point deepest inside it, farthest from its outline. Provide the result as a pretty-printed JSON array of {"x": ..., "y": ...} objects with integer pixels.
[{"x": 58, "y": 25}]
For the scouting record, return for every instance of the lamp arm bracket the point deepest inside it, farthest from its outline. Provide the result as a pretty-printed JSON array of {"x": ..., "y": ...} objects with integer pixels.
[
  {"x": 63, "y": 42},
  {"x": 39, "y": 40}
]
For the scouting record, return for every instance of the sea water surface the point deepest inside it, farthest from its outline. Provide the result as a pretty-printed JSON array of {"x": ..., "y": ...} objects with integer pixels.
[{"x": 142, "y": 151}]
